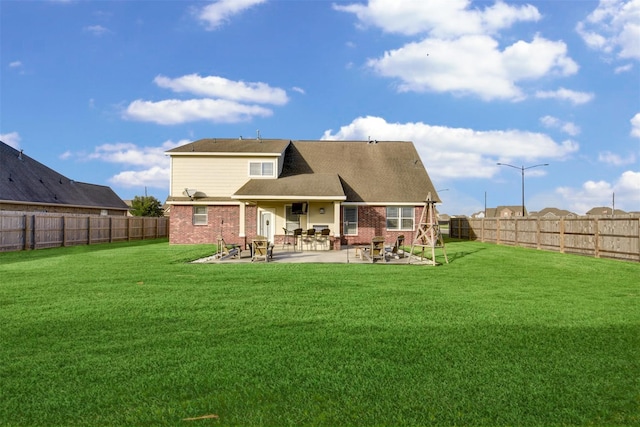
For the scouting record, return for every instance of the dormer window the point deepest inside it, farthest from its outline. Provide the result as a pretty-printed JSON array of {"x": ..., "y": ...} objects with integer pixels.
[{"x": 261, "y": 169}]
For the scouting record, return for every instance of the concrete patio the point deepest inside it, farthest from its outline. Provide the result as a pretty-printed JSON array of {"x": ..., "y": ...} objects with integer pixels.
[{"x": 343, "y": 256}]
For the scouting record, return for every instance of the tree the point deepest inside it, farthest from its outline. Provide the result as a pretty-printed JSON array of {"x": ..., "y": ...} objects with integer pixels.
[{"x": 146, "y": 206}]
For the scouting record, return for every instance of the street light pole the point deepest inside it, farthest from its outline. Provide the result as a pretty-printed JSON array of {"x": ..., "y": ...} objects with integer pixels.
[{"x": 522, "y": 169}]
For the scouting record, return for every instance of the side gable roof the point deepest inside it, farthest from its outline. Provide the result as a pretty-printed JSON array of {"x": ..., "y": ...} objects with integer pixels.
[{"x": 25, "y": 180}]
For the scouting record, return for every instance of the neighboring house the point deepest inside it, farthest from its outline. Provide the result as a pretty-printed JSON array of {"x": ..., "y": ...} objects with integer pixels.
[
  {"x": 505, "y": 212},
  {"x": 28, "y": 185},
  {"x": 553, "y": 213},
  {"x": 239, "y": 188},
  {"x": 604, "y": 211}
]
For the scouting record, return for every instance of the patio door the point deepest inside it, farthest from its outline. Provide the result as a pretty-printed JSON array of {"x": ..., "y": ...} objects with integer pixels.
[{"x": 267, "y": 226}]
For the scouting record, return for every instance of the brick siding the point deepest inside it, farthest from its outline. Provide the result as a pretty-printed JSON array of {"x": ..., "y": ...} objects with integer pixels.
[{"x": 224, "y": 220}]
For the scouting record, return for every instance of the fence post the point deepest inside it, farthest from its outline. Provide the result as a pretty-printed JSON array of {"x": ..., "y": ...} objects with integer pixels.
[
  {"x": 596, "y": 235},
  {"x": 64, "y": 230},
  {"x": 27, "y": 231},
  {"x": 561, "y": 235},
  {"x": 497, "y": 231}
]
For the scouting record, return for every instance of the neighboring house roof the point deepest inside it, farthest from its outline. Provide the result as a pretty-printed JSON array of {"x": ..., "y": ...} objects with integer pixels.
[
  {"x": 552, "y": 212},
  {"x": 497, "y": 211},
  {"x": 604, "y": 210},
  {"x": 25, "y": 180},
  {"x": 352, "y": 171}
]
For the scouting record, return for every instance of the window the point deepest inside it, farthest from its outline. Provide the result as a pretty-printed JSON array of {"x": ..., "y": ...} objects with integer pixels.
[
  {"x": 350, "y": 215},
  {"x": 399, "y": 218},
  {"x": 200, "y": 215},
  {"x": 260, "y": 169},
  {"x": 293, "y": 220}
]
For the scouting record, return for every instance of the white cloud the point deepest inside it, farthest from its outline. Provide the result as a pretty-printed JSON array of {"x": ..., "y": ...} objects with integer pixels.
[
  {"x": 12, "y": 139},
  {"x": 569, "y": 128},
  {"x": 459, "y": 153},
  {"x": 174, "y": 111},
  {"x": 15, "y": 64},
  {"x": 615, "y": 159},
  {"x": 96, "y": 30},
  {"x": 151, "y": 165},
  {"x": 443, "y": 65},
  {"x": 218, "y": 13},
  {"x": 156, "y": 177},
  {"x": 613, "y": 28},
  {"x": 130, "y": 154},
  {"x": 219, "y": 87},
  {"x": 623, "y": 68},
  {"x": 438, "y": 18},
  {"x": 635, "y": 126},
  {"x": 576, "y": 98},
  {"x": 298, "y": 89},
  {"x": 459, "y": 49},
  {"x": 600, "y": 193}
]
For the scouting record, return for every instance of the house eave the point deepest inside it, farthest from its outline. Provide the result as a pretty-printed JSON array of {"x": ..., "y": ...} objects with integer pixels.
[
  {"x": 44, "y": 204},
  {"x": 264, "y": 197}
]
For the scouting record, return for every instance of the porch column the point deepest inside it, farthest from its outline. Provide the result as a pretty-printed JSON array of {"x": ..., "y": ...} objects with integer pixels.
[
  {"x": 242, "y": 232},
  {"x": 336, "y": 219}
]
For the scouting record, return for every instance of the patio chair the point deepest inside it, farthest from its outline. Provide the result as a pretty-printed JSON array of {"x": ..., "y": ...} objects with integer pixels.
[
  {"x": 397, "y": 251},
  {"x": 226, "y": 251},
  {"x": 310, "y": 238},
  {"x": 260, "y": 249},
  {"x": 323, "y": 238},
  {"x": 377, "y": 249}
]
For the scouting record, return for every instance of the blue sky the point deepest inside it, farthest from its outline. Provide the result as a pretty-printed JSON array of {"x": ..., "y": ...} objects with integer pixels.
[{"x": 99, "y": 90}]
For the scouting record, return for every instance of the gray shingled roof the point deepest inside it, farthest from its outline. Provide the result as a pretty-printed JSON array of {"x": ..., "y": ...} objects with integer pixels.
[
  {"x": 23, "y": 179},
  {"x": 304, "y": 186},
  {"x": 384, "y": 171}
]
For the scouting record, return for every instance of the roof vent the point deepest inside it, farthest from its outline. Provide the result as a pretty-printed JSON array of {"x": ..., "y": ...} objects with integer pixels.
[{"x": 20, "y": 155}]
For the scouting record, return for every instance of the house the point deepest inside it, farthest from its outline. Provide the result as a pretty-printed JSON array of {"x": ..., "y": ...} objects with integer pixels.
[
  {"x": 604, "y": 211},
  {"x": 505, "y": 212},
  {"x": 553, "y": 213},
  {"x": 240, "y": 188},
  {"x": 29, "y": 186}
]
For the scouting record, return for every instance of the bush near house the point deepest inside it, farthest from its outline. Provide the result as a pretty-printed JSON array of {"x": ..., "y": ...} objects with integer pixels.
[{"x": 132, "y": 334}]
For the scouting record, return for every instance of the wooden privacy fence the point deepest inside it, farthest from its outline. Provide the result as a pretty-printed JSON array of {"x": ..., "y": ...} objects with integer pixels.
[
  {"x": 36, "y": 230},
  {"x": 606, "y": 237}
]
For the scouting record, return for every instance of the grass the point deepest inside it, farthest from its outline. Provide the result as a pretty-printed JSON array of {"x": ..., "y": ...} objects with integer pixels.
[{"x": 131, "y": 334}]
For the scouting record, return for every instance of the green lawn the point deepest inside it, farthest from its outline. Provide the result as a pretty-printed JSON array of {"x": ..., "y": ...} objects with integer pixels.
[{"x": 130, "y": 334}]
